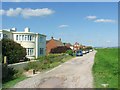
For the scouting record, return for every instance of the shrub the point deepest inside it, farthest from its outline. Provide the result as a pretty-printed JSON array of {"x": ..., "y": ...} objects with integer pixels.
[
  {"x": 14, "y": 51},
  {"x": 8, "y": 73},
  {"x": 60, "y": 49},
  {"x": 70, "y": 52},
  {"x": 33, "y": 65}
]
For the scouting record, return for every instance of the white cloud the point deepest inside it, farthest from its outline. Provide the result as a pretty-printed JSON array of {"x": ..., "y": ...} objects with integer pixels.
[
  {"x": 100, "y": 20},
  {"x": 37, "y": 12},
  {"x": 63, "y": 26},
  {"x": 91, "y": 17},
  {"x": 13, "y": 12},
  {"x": 27, "y": 12},
  {"x": 105, "y": 20}
]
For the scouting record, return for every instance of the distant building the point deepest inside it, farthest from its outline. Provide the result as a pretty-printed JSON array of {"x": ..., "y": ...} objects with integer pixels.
[
  {"x": 76, "y": 46},
  {"x": 34, "y": 43},
  {"x": 69, "y": 45},
  {"x": 50, "y": 44}
]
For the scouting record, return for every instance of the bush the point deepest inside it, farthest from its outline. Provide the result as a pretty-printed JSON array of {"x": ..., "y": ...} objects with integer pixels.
[
  {"x": 14, "y": 51},
  {"x": 70, "y": 52},
  {"x": 8, "y": 73},
  {"x": 33, "y": 65},
  {"x": 60, "y": 49}
]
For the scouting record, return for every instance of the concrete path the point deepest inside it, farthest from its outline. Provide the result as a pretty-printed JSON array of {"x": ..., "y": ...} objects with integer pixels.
[{"x": 76, "y": 73}]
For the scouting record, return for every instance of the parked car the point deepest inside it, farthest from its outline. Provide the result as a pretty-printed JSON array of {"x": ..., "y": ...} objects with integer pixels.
[
  {"x": 87, "y": 51},
  {"x": 84, "y": 52},
  {"x": 79, "y": 53},
  {"x": 91, "y": 50}
]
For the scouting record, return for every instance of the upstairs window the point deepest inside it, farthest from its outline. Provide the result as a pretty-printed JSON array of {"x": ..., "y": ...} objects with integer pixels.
[
  {"x": 23, "y": 38},
  {"x": 16, "y": 37},
  {"x": 5, "y": 36},
  {"x": 41, "y": 39}
]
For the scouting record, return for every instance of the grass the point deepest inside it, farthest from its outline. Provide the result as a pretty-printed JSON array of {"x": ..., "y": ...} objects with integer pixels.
[
  {"x": 105, "y": 68},
  {"x": 48, "y": 62},
  {"x": 11, "y": 83}
]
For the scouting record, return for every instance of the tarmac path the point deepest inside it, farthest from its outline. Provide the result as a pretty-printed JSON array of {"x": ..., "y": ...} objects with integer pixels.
[{"x": 75, "y": 73}]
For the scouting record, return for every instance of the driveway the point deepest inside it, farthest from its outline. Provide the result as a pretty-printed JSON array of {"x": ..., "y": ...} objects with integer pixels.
[{"x": 75, "y": 73}]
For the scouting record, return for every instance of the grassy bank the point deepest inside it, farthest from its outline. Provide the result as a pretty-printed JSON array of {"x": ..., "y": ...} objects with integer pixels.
[{"x": 105, "y": 68}]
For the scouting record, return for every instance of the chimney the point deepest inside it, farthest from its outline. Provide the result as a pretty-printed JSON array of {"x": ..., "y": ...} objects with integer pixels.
[
  {"x": 59, "y": 39},
  {"x": 52, "y": 37},
  {"x": 13, "y": 29},
  {"x": 27, "y": 29}
]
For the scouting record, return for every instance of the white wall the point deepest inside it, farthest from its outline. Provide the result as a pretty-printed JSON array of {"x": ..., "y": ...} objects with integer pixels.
[{"x": 36, "y": 43}]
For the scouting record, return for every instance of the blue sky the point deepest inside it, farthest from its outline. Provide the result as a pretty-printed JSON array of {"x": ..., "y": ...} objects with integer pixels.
[{"x": 89, "y": 23}]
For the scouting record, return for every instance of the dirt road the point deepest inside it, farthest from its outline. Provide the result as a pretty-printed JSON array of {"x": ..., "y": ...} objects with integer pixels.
[{"x": 76, "y": 73}]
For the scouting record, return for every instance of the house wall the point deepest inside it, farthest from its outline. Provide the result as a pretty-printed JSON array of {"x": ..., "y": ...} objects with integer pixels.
[
  {"x": 5, "y": 34},
  {"x": 27, "y": 44},
  {"x": 51, "y": 44},
  {"x": 32, "y": 46},
  {"x": 41, "y": 45}
]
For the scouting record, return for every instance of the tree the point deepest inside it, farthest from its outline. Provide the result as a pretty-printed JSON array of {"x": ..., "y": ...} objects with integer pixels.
[
  {"x": 14, "y": 51},
  {"x": 89, "y": 47},
  {"x": 60, "y": 49}
]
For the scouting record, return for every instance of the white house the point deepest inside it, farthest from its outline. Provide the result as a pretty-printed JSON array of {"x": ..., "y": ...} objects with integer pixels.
[{"x": 34, "y": 43}]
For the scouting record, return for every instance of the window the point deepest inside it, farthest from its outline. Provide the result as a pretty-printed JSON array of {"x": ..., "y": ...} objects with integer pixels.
[
  {"x": 20, "y": 37},
  {"x": 30, "y": 37},
  {"x": 30, "y": 51},
  {"x": 16, "y": 37},
  {"x": 23, "y": 37},
  {"x": 41, "y": 39},
  {"x": 41, "y": 51},
  {"x": 5, "y": 36}
]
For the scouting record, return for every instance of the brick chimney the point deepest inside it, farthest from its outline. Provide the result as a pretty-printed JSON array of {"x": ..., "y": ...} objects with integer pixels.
[{"x": 52, "y": 37}]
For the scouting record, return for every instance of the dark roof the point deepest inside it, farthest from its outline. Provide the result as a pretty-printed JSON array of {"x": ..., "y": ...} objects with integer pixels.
[{"x": 69, "y": 44}]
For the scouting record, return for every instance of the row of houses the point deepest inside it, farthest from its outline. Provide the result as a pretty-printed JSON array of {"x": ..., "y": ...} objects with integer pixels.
[{"x": 35, "y": 43}]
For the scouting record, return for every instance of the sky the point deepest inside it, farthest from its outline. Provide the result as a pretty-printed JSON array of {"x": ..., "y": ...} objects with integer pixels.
[
  {"x": 59, "y": 0},
  {"x": 89, "y": 23}
]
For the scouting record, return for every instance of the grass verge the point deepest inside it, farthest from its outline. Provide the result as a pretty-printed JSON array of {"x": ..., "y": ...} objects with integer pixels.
[
  {"x": 105, "y": 68},
  {"x": 48, "y": 62}
]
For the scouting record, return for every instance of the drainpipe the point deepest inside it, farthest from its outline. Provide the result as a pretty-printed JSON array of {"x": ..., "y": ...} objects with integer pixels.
[{"x": 37, "y": 46}]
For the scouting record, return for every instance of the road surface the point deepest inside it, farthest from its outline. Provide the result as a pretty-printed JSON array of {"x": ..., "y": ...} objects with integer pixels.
[{"x": 75, "y": 73}]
